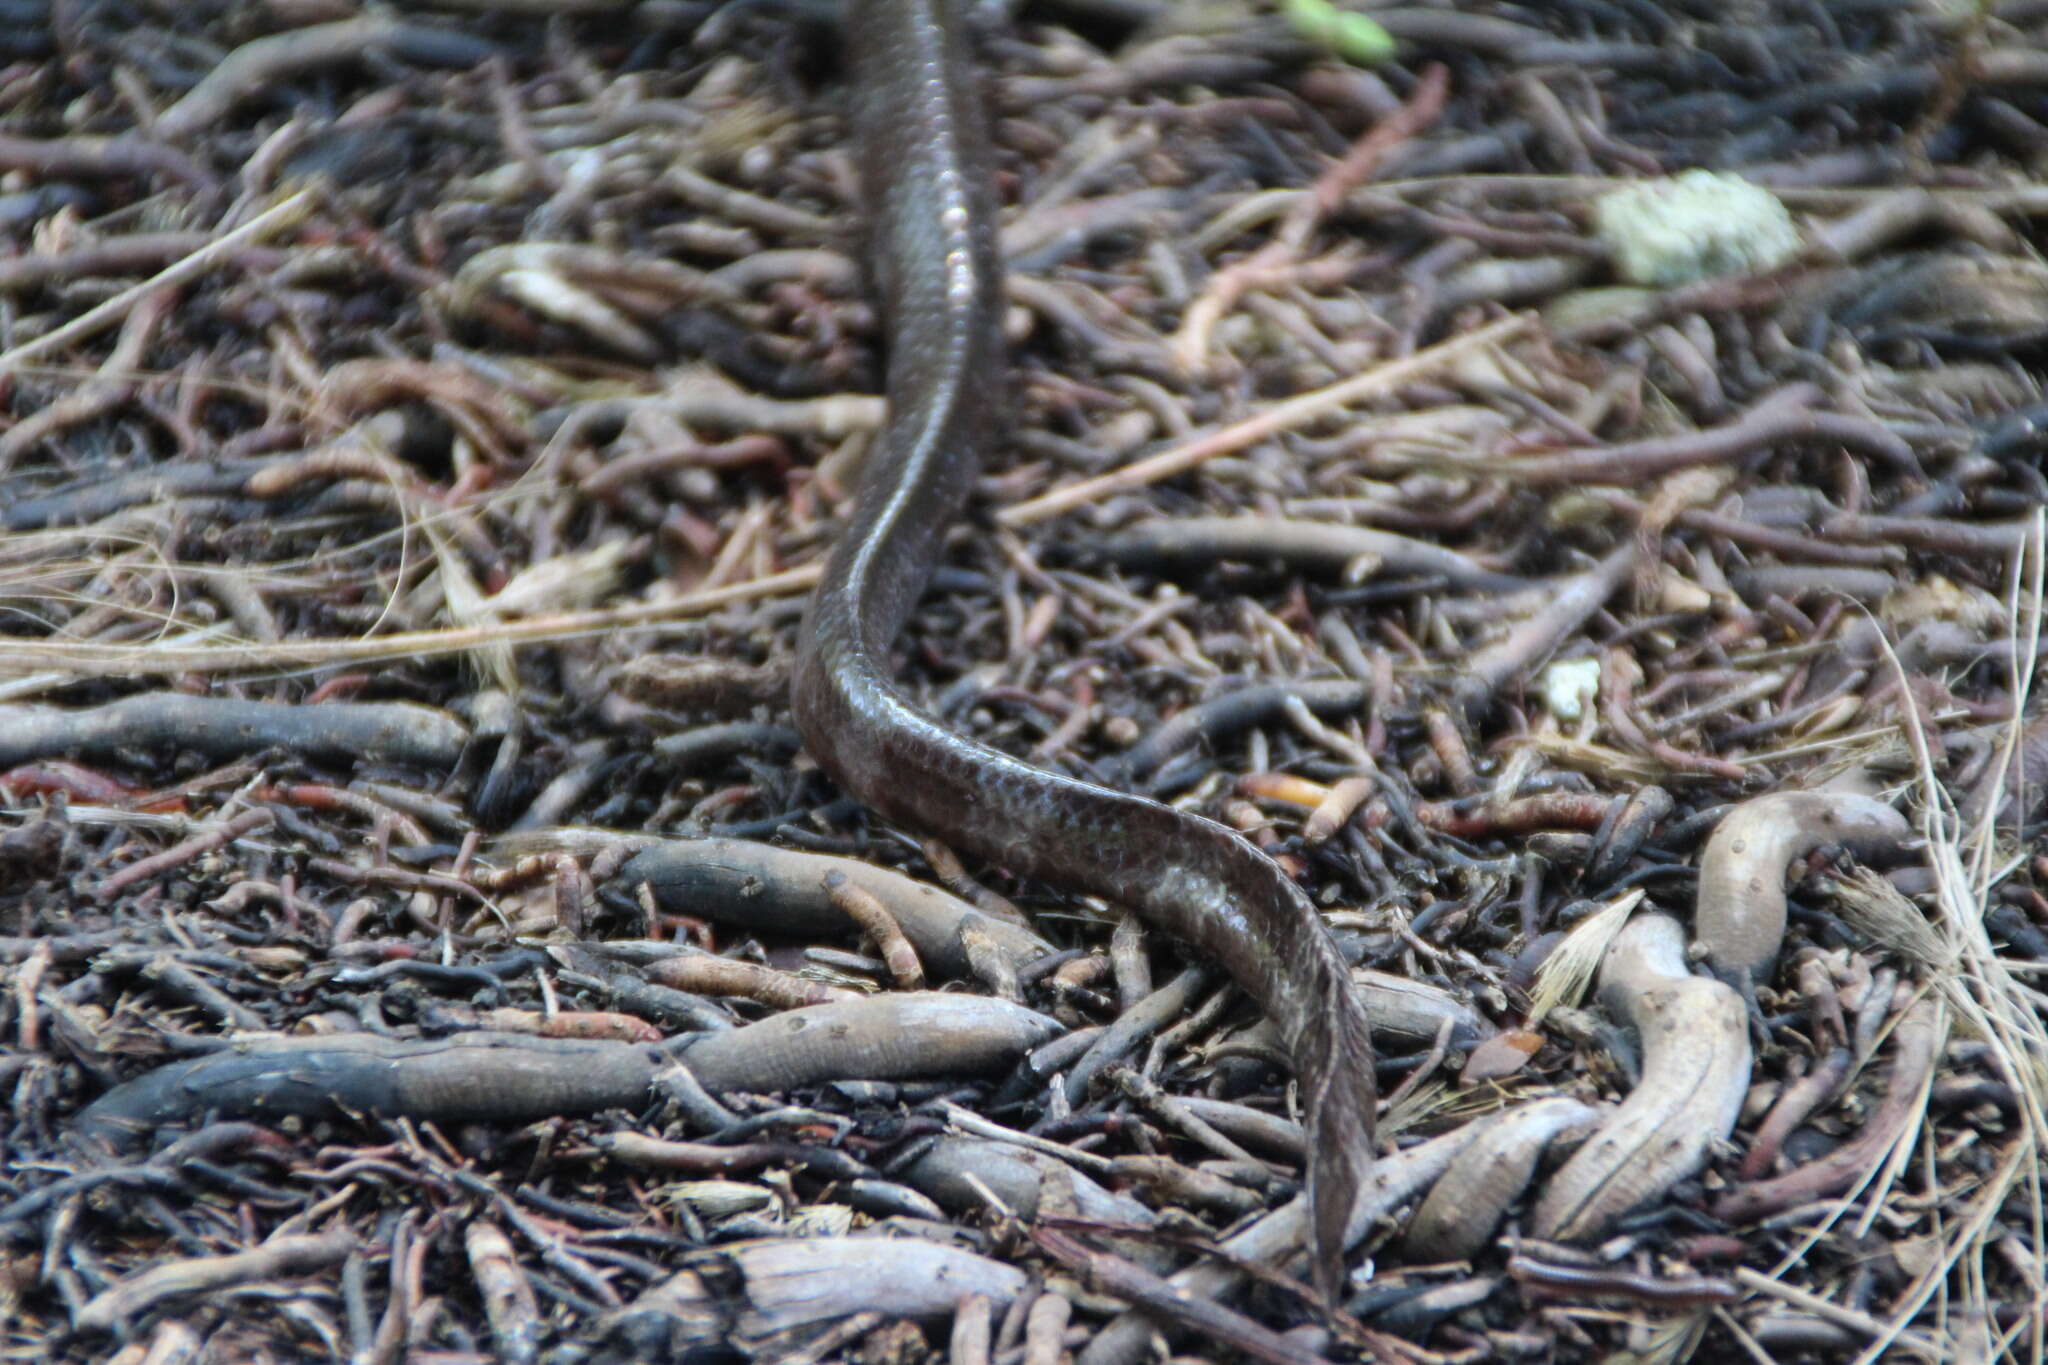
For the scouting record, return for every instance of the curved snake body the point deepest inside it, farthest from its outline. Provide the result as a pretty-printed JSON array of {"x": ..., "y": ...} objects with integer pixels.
[{"x": 918, "y": 132}]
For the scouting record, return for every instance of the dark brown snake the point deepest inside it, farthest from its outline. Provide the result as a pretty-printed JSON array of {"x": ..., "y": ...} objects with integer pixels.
[{"x": 918, "y": 131}]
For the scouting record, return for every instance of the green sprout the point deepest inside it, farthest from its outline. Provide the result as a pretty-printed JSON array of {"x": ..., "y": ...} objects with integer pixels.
[{"x": 1353, "y": 37}]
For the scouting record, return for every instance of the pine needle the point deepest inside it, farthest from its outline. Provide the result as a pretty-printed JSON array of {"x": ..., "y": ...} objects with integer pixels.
[
  {"x": 1567, "y": 973},
  {"x": 1871, "y": 904}
]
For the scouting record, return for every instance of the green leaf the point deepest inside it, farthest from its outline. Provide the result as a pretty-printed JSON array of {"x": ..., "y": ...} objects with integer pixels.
[{"x": 1353, "y": 37}]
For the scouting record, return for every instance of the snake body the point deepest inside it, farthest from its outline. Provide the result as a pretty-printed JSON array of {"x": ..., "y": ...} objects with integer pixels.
[{"x": 919, "y": 134}]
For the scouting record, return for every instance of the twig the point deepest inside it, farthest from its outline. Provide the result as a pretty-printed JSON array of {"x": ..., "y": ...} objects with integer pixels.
[
  {"x": 1286, "y": 416},
  {"x": 218, "y": 836},
  {"x": 277, "y": 218},
  {"x": 30, "y": 655},
  {"x": 1278, "y": 260},
  {"x": 1835, "y": 1313},
  {"x": 1161, "y": 1298},
  {"x": 1787, "y": 415},
  {"x": 113, "y": 384}
]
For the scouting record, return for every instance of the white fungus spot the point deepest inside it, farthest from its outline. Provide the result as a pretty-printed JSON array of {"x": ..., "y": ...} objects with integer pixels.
[
  {"x": 1568, "y": 685},
  {"x": 1694, "y": 226}
]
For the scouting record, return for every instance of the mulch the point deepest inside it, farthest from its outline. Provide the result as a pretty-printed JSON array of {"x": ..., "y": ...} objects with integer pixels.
[{"x": 424, "y": 938}]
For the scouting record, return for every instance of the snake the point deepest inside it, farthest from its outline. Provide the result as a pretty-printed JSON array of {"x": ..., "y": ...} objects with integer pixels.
[{"x": 919, "y": 132}]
